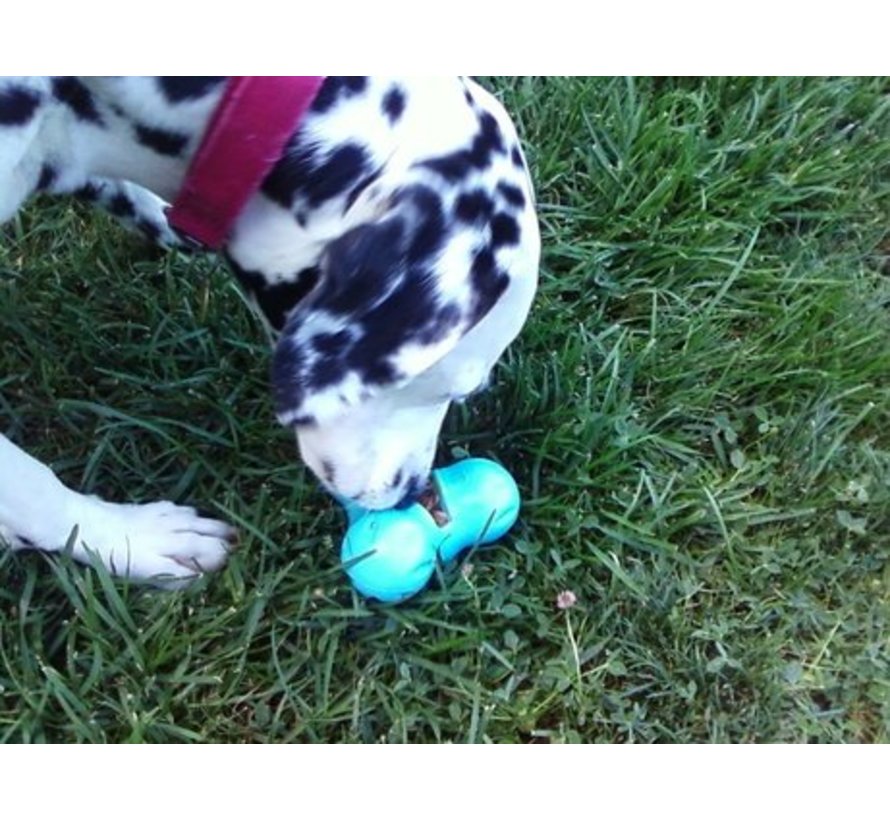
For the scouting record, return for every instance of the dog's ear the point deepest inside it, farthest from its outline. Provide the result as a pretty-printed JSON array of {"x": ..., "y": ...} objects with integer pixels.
[
  {"x": 377, "y": 318},
  {"x": 358, "y": 268}
]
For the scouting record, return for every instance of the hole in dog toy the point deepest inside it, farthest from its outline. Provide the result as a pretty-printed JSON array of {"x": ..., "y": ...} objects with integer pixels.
[{"x": 431, "y": 501}]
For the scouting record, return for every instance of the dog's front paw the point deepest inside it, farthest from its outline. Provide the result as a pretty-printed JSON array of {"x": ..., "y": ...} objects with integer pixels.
[{"x": 162, "y": 543}]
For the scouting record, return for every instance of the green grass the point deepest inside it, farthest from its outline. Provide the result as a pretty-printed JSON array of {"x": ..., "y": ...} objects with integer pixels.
[{"x": 698, "y": 414}]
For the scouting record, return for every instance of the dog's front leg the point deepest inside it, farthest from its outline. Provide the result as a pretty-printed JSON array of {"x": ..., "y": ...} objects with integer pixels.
[
  {"x": 138, "y": 209},
  {"x": 160, "y": 542}
]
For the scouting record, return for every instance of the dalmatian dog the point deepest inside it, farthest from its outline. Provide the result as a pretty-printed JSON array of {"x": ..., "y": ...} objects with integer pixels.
[{"x": 393, "y": 251}]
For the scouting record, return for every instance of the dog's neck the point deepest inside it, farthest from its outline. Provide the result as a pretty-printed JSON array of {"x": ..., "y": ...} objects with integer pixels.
[
  {"x": 102, "y": 127},
  {"x": 151, "y": 145},
  {"x": 111, "y": 155}
]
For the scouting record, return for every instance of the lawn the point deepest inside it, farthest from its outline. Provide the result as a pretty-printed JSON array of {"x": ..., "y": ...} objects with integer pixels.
[{"x": 697, "y": 413}]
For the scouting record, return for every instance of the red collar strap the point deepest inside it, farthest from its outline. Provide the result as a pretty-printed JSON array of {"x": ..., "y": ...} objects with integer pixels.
[{"x": 244, "y": 139}]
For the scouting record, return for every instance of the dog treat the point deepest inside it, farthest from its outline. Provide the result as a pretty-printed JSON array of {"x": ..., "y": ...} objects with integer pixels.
[{"x": 430, "y": 501}]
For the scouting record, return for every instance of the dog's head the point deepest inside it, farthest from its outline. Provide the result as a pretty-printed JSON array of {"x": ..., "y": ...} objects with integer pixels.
[{"x": 410, "y": 312}]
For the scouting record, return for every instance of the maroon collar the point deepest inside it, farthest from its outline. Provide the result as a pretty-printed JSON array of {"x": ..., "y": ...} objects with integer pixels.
[{"x": 245, "y": 138}]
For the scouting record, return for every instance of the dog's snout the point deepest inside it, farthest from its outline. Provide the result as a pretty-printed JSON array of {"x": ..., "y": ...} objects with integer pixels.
[
  {"x": 398, "y": 491},
  {"x": 378, "y": 457}
]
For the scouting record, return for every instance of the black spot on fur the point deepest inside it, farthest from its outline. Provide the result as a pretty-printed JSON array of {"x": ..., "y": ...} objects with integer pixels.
[
  {"x": 512, "y": 194},
  {"x": 161, "y": 141},
  {"x": 89, "y": 192},
  {"x": 454, "y": 167},
  {"x": 394, "y": 104},
  {"x": 458, "y": 165},
  {"x": 121, "y": 206},
  {"x": 48, "y": 176},
  {"x": 326, "y": 371},
  {"x": 474, "y": 206},
  {"x": 337, "y": 173},
  {"x": 73, "y": 93},
  {"x": 504, "y": 231},
  {"x": 17, "y": 105},
  {"x": 516, "y": 157},
  {"x": 380, "y": 372},
  {"x": 489, "y": 283},
  {"x": 483, "y": 266},
  {"x": 182, "y": 89},
  {"x": 440, "y": 324},
  {"x": 149, "y": 230},
  {"x": 401, "y": 317},
  {"x": 359, "y": 266},
  {"x": 276, "y": 300},
  {"x": 327, "y": 470},
  {"x": 326, "y": 97},
  {"x": 490, "y": 138},
  {"x": 333, "y": 88},
  {"x": 316, "y": 176},
  {"x": 332, "y": 344},
  {"x": 288, "y": 382},
  {"x": 428, "y": 225}
]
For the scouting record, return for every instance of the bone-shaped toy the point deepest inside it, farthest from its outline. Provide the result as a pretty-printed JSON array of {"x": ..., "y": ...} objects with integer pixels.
[{"x": 391, "y": 554}]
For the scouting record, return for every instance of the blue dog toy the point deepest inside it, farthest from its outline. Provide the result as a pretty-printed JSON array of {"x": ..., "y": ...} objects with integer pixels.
[{"x": 391, "y": 554}]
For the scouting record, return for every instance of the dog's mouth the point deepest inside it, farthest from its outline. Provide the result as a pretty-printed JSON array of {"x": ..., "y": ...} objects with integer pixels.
[{"x": 431, "y": 500}]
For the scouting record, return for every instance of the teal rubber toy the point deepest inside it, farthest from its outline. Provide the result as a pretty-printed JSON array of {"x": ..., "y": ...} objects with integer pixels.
[{"x": 391, "y": 554}]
